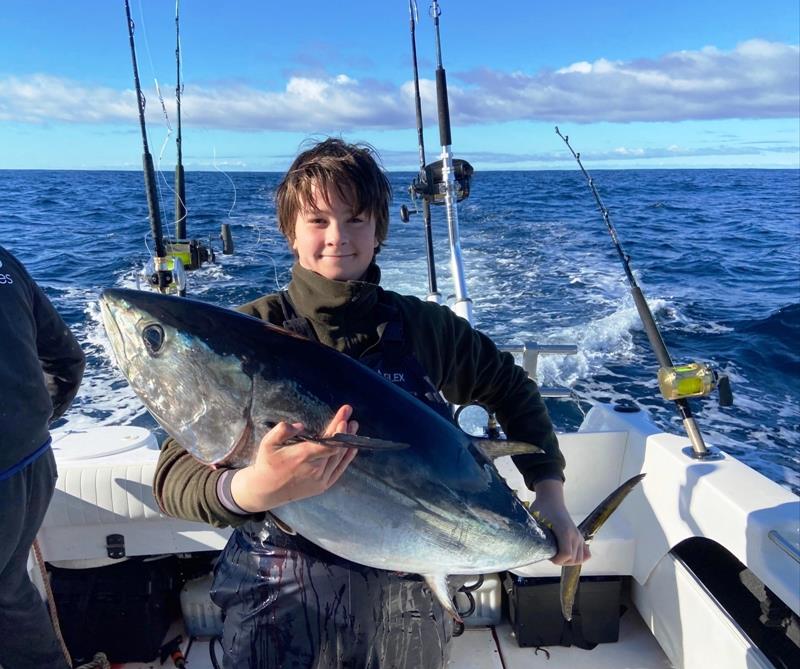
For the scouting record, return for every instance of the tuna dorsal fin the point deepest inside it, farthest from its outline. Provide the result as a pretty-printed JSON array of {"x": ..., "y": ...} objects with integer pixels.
[
  {"x": 570, "y": 576},
  {"x": 497, "y": 448},
  {"x": 438, "y": 585}
]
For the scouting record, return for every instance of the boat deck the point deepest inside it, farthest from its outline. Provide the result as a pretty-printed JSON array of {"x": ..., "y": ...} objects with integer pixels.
[{"x": 496, "y": 648}]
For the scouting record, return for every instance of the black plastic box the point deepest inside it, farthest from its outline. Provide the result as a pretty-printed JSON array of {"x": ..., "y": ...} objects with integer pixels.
[
  {"x": 123, "y": 610},
  {"x": 535, "y": 611}
]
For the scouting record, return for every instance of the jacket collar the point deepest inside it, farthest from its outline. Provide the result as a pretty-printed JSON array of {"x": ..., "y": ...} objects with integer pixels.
[{"x": 334, "y": 303}]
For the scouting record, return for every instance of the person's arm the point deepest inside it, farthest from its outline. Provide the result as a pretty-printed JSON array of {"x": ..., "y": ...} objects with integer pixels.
[
  {"x": 59, "y": 352},
  {"x": 473, "y": 370},
  {"x": 282, "y": 473},
  {"x": 186, "y": 488},
  {"x": 467, "y": 367},
  {"x": 549, "y": 502}
]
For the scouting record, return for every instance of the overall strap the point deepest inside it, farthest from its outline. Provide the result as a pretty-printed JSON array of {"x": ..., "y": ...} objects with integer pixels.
[
  {"x": 395, "y": 361},
  {"x": 294, "y": 322},
  {"x": 392, "y": 336},
  {"x": 28, "y": 459}
]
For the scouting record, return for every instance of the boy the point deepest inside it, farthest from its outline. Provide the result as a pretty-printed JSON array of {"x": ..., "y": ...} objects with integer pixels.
[{"x": 287, "y": 602}]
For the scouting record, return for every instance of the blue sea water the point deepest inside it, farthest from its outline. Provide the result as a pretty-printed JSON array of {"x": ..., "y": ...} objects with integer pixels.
[{"x": 716, "y": 252}]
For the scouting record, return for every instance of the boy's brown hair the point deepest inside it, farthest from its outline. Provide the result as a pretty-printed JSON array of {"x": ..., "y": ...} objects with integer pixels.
[{"x": 352, "y": 169}]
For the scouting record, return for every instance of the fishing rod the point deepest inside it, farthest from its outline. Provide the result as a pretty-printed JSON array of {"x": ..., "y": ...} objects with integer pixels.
[
  {"x": 677, "y": 383},
  {"x": 180, "y": 185},
  {"x": 433, "y": 291},
  {"x": 161, "y": 276},
  {"x": 463, "y": 304},
  {"x": 446, "y": 181}
]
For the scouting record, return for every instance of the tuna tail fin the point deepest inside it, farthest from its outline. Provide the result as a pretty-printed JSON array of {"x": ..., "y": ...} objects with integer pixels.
[
  {"x": 570, "y": 576},
  {"x": 438, "y": 585}
]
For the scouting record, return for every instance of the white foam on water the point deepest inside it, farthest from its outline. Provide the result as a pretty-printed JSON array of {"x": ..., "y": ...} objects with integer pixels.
[{"x": 104, "y": 398}]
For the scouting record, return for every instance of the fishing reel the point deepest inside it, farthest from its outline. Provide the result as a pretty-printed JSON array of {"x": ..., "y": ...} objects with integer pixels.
[
  {"x": 192, "y": 253},
  {"x": 431, "y": 185},
  {"x": 166, "y": 275},
  {"x": 695, "y": 379}
]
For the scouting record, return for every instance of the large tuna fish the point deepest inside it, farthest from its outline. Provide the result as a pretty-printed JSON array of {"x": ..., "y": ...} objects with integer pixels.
[{"x": 421, "y": 496}]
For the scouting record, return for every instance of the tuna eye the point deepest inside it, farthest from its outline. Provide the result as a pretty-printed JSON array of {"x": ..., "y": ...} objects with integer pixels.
[{"x": 153, "y": 336}]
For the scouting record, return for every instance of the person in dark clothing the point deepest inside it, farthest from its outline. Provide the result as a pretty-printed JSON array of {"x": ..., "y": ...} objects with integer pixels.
[
  {"x": 41, "y": 367},
  {"x": 287, "y": 602}
]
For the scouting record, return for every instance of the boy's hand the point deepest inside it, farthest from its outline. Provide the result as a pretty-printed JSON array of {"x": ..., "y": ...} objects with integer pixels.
[
  {"x": 284, "y": 473},
  {"x": 572, "y": 549}
]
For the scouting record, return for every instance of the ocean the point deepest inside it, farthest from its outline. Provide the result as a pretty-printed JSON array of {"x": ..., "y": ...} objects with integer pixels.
[{"x": 716, "y": 253}]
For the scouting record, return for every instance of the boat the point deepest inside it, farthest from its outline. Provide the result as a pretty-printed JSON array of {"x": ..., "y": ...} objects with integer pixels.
[{"x": 698, "y": 568}]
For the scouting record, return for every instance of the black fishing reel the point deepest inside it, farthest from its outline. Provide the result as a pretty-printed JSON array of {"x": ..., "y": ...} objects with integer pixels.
[
  {"x": 695, "y": 379},
  {"x": 431, "y": 185}
]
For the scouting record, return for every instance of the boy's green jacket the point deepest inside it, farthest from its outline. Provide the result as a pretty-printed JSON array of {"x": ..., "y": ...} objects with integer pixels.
[{"x": 460, "y": 361}]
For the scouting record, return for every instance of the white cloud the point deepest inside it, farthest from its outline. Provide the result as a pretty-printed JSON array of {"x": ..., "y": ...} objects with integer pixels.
[
  {"x": 638, "y": 155},
  {"x": 757, "y": 79},
  {"x": 583, "y": 67},
  {"x": 624, "y": 151},
  {"x": 43, "y": 98}
]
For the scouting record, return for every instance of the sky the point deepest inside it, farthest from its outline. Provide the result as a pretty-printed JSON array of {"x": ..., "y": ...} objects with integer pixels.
[{"x": 678, "y": 84}]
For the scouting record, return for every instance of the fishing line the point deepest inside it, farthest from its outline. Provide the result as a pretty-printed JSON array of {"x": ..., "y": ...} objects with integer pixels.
[
  {"x": 146, "y": 40},
  {"x": 233, "y": 185},
  {"x": 160, "y": 172},
  {"x": 575, "y": 397},
  {"x": 162, "y": 208},
  {"x": 230, "y": 217},
  {"x": 145, "y": 270},
  {"x": 259, "y": 242},
  {"x": 275, "y": 270},
  {"x": 179, "y": 198},
  {"x": 165, "y": 183},
  {"x": 166, "y": 121},
  {"x": 147, "y": 235}
]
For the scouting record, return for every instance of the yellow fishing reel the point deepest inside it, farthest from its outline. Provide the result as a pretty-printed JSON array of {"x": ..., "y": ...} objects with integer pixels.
[
  {"x": 695, "y": 379},
  {"x": 166, "y": 275}
]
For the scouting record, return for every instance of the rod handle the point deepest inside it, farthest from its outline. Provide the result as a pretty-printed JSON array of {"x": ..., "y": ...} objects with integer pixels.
[{"x": 443, "y": 107}]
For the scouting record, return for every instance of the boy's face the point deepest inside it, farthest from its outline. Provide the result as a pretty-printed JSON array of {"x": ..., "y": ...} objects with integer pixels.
[{"x": 332, "y": 239}]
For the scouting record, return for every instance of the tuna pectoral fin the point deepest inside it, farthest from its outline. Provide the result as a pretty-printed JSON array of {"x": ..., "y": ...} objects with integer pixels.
[
  {"x": 358, "y": 441},
  {"x": 438, "y": 585},
  {"x": 343, "y": 440},
  {"x": 497, "y": 448},
  {"x": 570, "y": 576}
]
